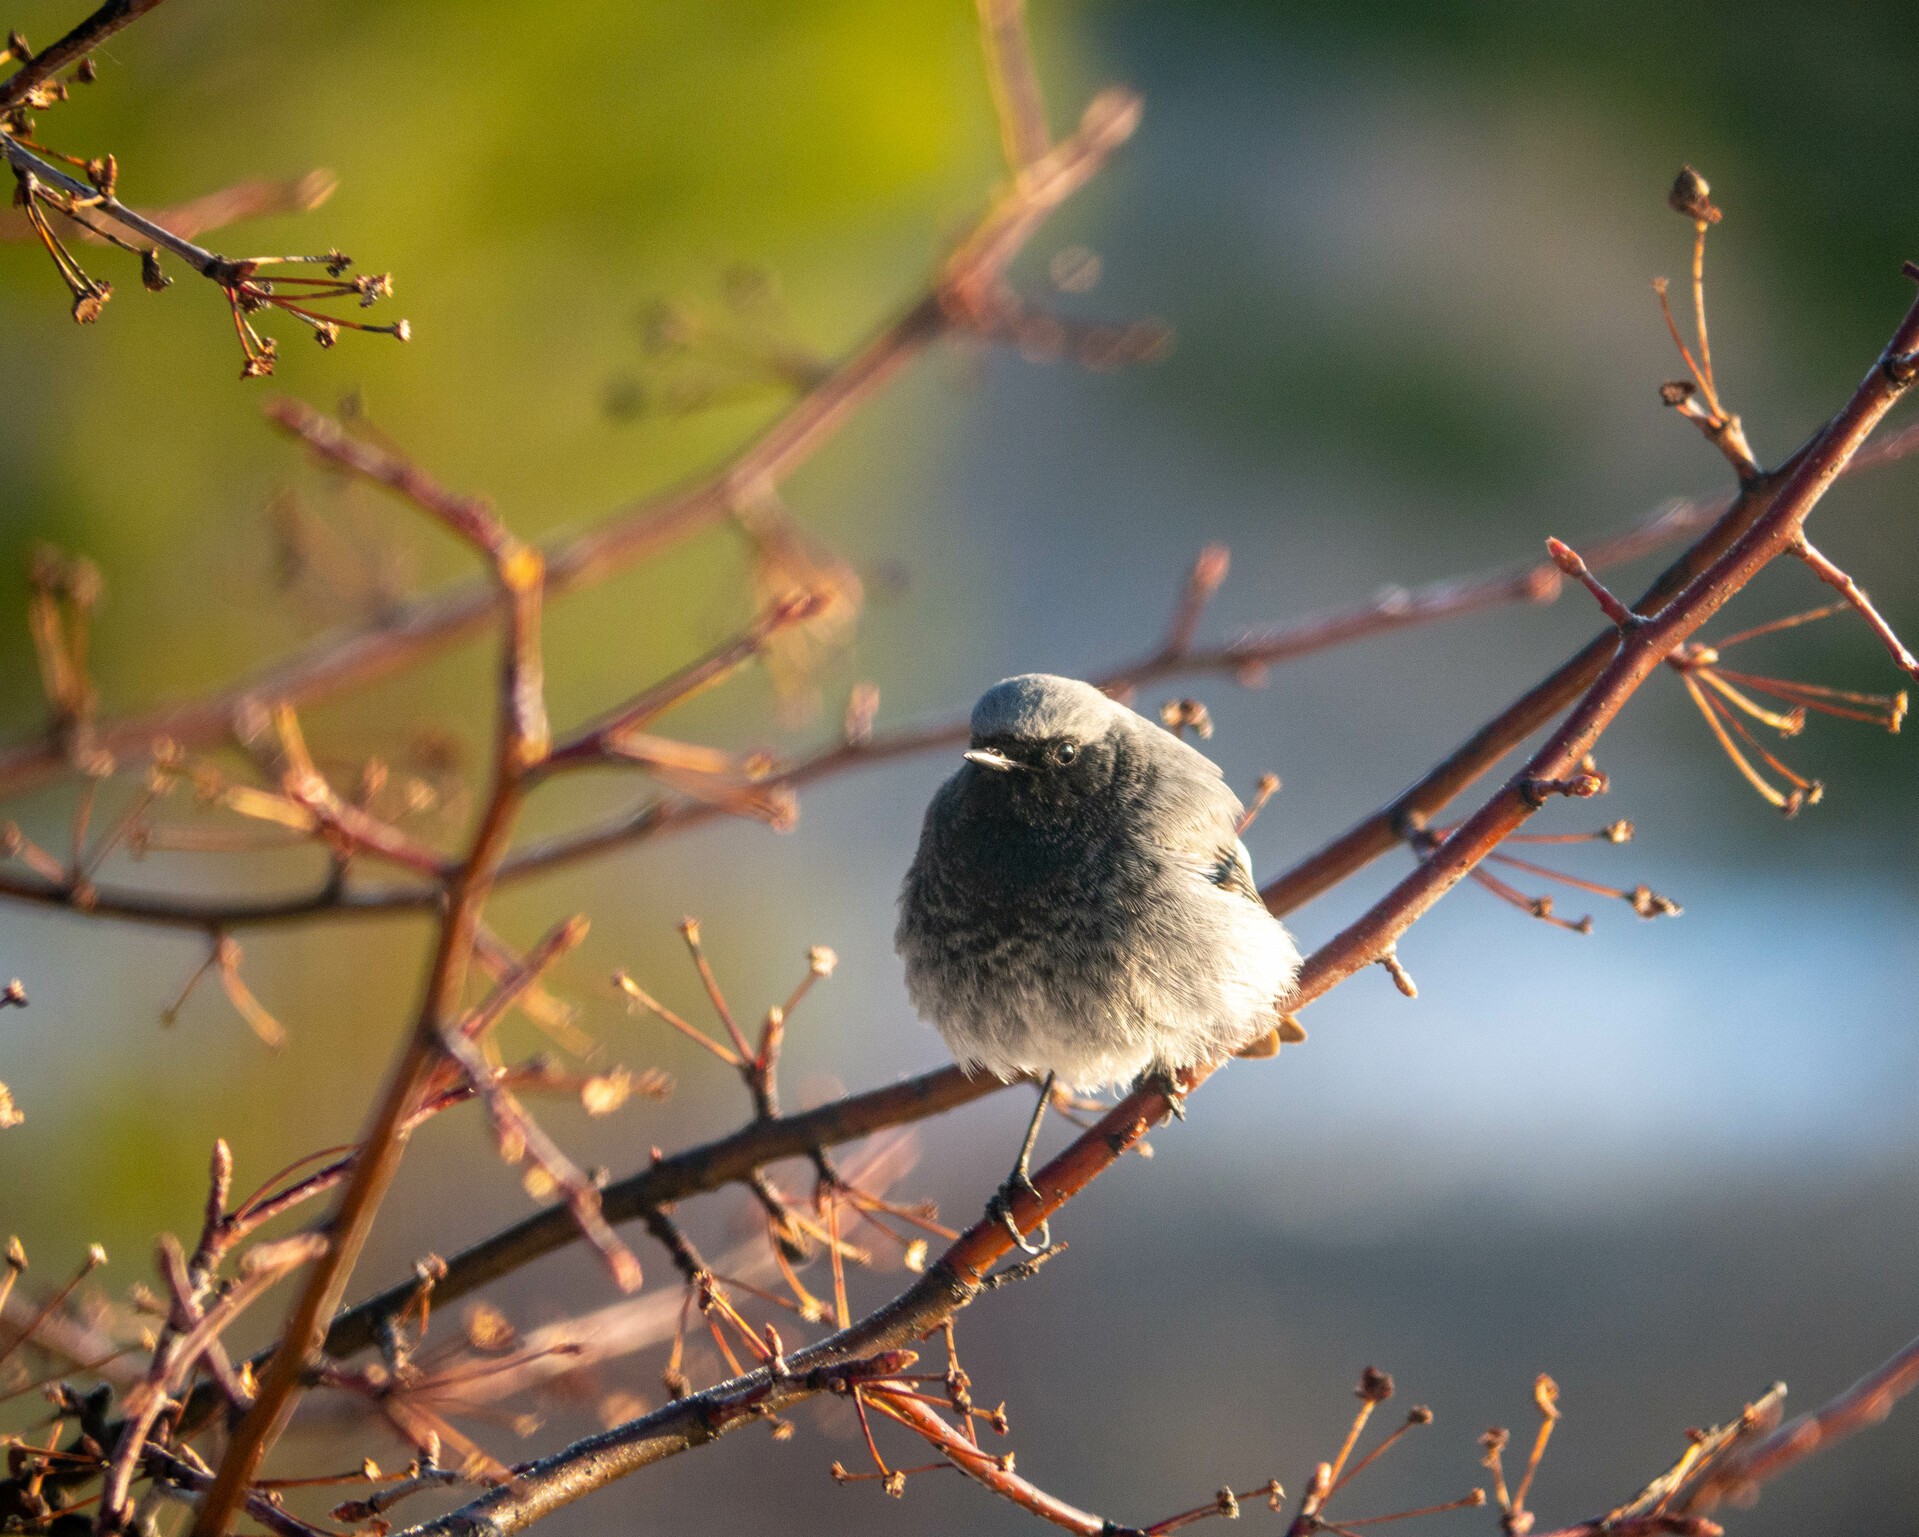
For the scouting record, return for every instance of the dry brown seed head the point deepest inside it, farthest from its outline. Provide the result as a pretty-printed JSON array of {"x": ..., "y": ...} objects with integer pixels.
[
  {"x": 1691, "y": 196},
  {"x": 88, "y": 304},
  {"x": 1375, "y": 1386},
  {"x": 1649, "y": 904},
  {"x": 1179, "y": 714}
]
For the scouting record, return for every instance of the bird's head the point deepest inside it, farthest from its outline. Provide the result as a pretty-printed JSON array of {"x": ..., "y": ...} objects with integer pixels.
[{"x": 1040, "y": 739}]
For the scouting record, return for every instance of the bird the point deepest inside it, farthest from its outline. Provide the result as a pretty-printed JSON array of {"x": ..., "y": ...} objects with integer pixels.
[{"x": 1081, "y": 908}]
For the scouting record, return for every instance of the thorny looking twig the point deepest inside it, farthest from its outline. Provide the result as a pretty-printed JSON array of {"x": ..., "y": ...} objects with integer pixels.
[
  {"x": 1723, "y": 696},
  {"x": 523, "y": 740},
  {"x": 961, "y": 296},
  {"x": 756, "y": 788},
  {"x": 249, "y": 284},
  {"x": 1725, "y": 561},
  {"x": 520, "y": 572}
]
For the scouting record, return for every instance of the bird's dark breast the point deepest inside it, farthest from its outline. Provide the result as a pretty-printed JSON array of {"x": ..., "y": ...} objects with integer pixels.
[{"x": 1036, "y": 894}]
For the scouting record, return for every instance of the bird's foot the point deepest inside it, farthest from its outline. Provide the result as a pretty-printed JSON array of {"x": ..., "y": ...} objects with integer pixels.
[
  {"x": 1165, "y": 1081},
  {"x": 1000, "y": 1208}
]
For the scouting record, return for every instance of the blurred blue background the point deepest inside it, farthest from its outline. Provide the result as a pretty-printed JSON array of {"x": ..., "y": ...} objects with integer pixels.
[{"x": 1406, "y": 254}]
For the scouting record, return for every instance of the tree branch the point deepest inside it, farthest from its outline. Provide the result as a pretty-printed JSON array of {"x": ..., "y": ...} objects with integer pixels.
[
  {"x": 71, "y": 49},
  {"x": 1246, "y": 658},
  {"x": 1386, "y": 828},
  {"x": 967, "y": 1266},
  {"x": 1866, "y": 1402},
  {"x": 423, "y": 626},
  {"x": 523, "y": 740}
]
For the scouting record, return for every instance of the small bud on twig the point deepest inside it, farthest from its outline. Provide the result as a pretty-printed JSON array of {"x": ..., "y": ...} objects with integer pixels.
[{"x": 1691, "y": 196}]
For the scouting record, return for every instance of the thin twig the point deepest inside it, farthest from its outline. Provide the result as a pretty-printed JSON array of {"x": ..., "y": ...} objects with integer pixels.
[
  {"x": 962, "y": 1272},
  {"x": 422, "y": 626},
  {"x": 1247, "y": 657},
  {"x": 71, "y": 49}
]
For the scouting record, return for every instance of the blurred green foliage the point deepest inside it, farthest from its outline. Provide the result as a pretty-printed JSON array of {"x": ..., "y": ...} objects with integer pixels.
[
  {"x": 532, "y": 180},
  {"x": 536, "y": 180}
]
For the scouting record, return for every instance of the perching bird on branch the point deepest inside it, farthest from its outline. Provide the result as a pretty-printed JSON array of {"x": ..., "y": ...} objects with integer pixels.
[{"x": 1081, "y": 907}]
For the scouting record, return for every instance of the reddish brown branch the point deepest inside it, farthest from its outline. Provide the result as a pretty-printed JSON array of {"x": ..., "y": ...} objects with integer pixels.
[
  {"x": 1017, "y": 100},
  {"x": 425, "y": 625},
  {"x": 598, "y": 741},
  {"x": 1247, "y": 658},
  {"x": 1384, "y": 829},
  {"x": 1724, "y": 567},
  {"x": 1854, "y": 594},
  {"x": 521, "y": 1137},
  {"x": 71, "y": 49},
  {"x": 974, "y": 272},
  {"x": 1865, "y": 1403},
  {"x": 1567, "y": 559},
  {"x": 521, "y": 742},
  {"x": 995, "y": 1472}
]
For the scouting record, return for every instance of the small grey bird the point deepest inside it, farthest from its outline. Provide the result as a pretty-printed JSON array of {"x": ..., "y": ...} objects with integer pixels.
[{"x": 1081, "y": 907}]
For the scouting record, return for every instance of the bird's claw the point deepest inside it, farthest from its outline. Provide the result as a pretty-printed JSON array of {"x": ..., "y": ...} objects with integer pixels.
[
  {"x": 1000, "y": 1208},
  {"x": 1167, "y": 1084}
]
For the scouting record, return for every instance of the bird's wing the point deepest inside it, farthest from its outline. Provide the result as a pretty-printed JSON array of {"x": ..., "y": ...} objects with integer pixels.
[{"x": 1195, "y": 815}]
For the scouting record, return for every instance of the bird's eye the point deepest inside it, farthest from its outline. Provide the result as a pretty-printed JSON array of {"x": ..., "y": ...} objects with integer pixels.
[{"x": 1065, "y": 753}]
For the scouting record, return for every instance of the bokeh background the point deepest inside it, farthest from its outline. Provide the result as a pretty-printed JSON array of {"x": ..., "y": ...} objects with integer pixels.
[{"x": 1406, "y": 254}]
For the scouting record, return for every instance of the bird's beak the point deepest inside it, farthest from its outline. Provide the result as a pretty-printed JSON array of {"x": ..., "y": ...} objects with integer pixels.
[{"x": 987, "y": 758}]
